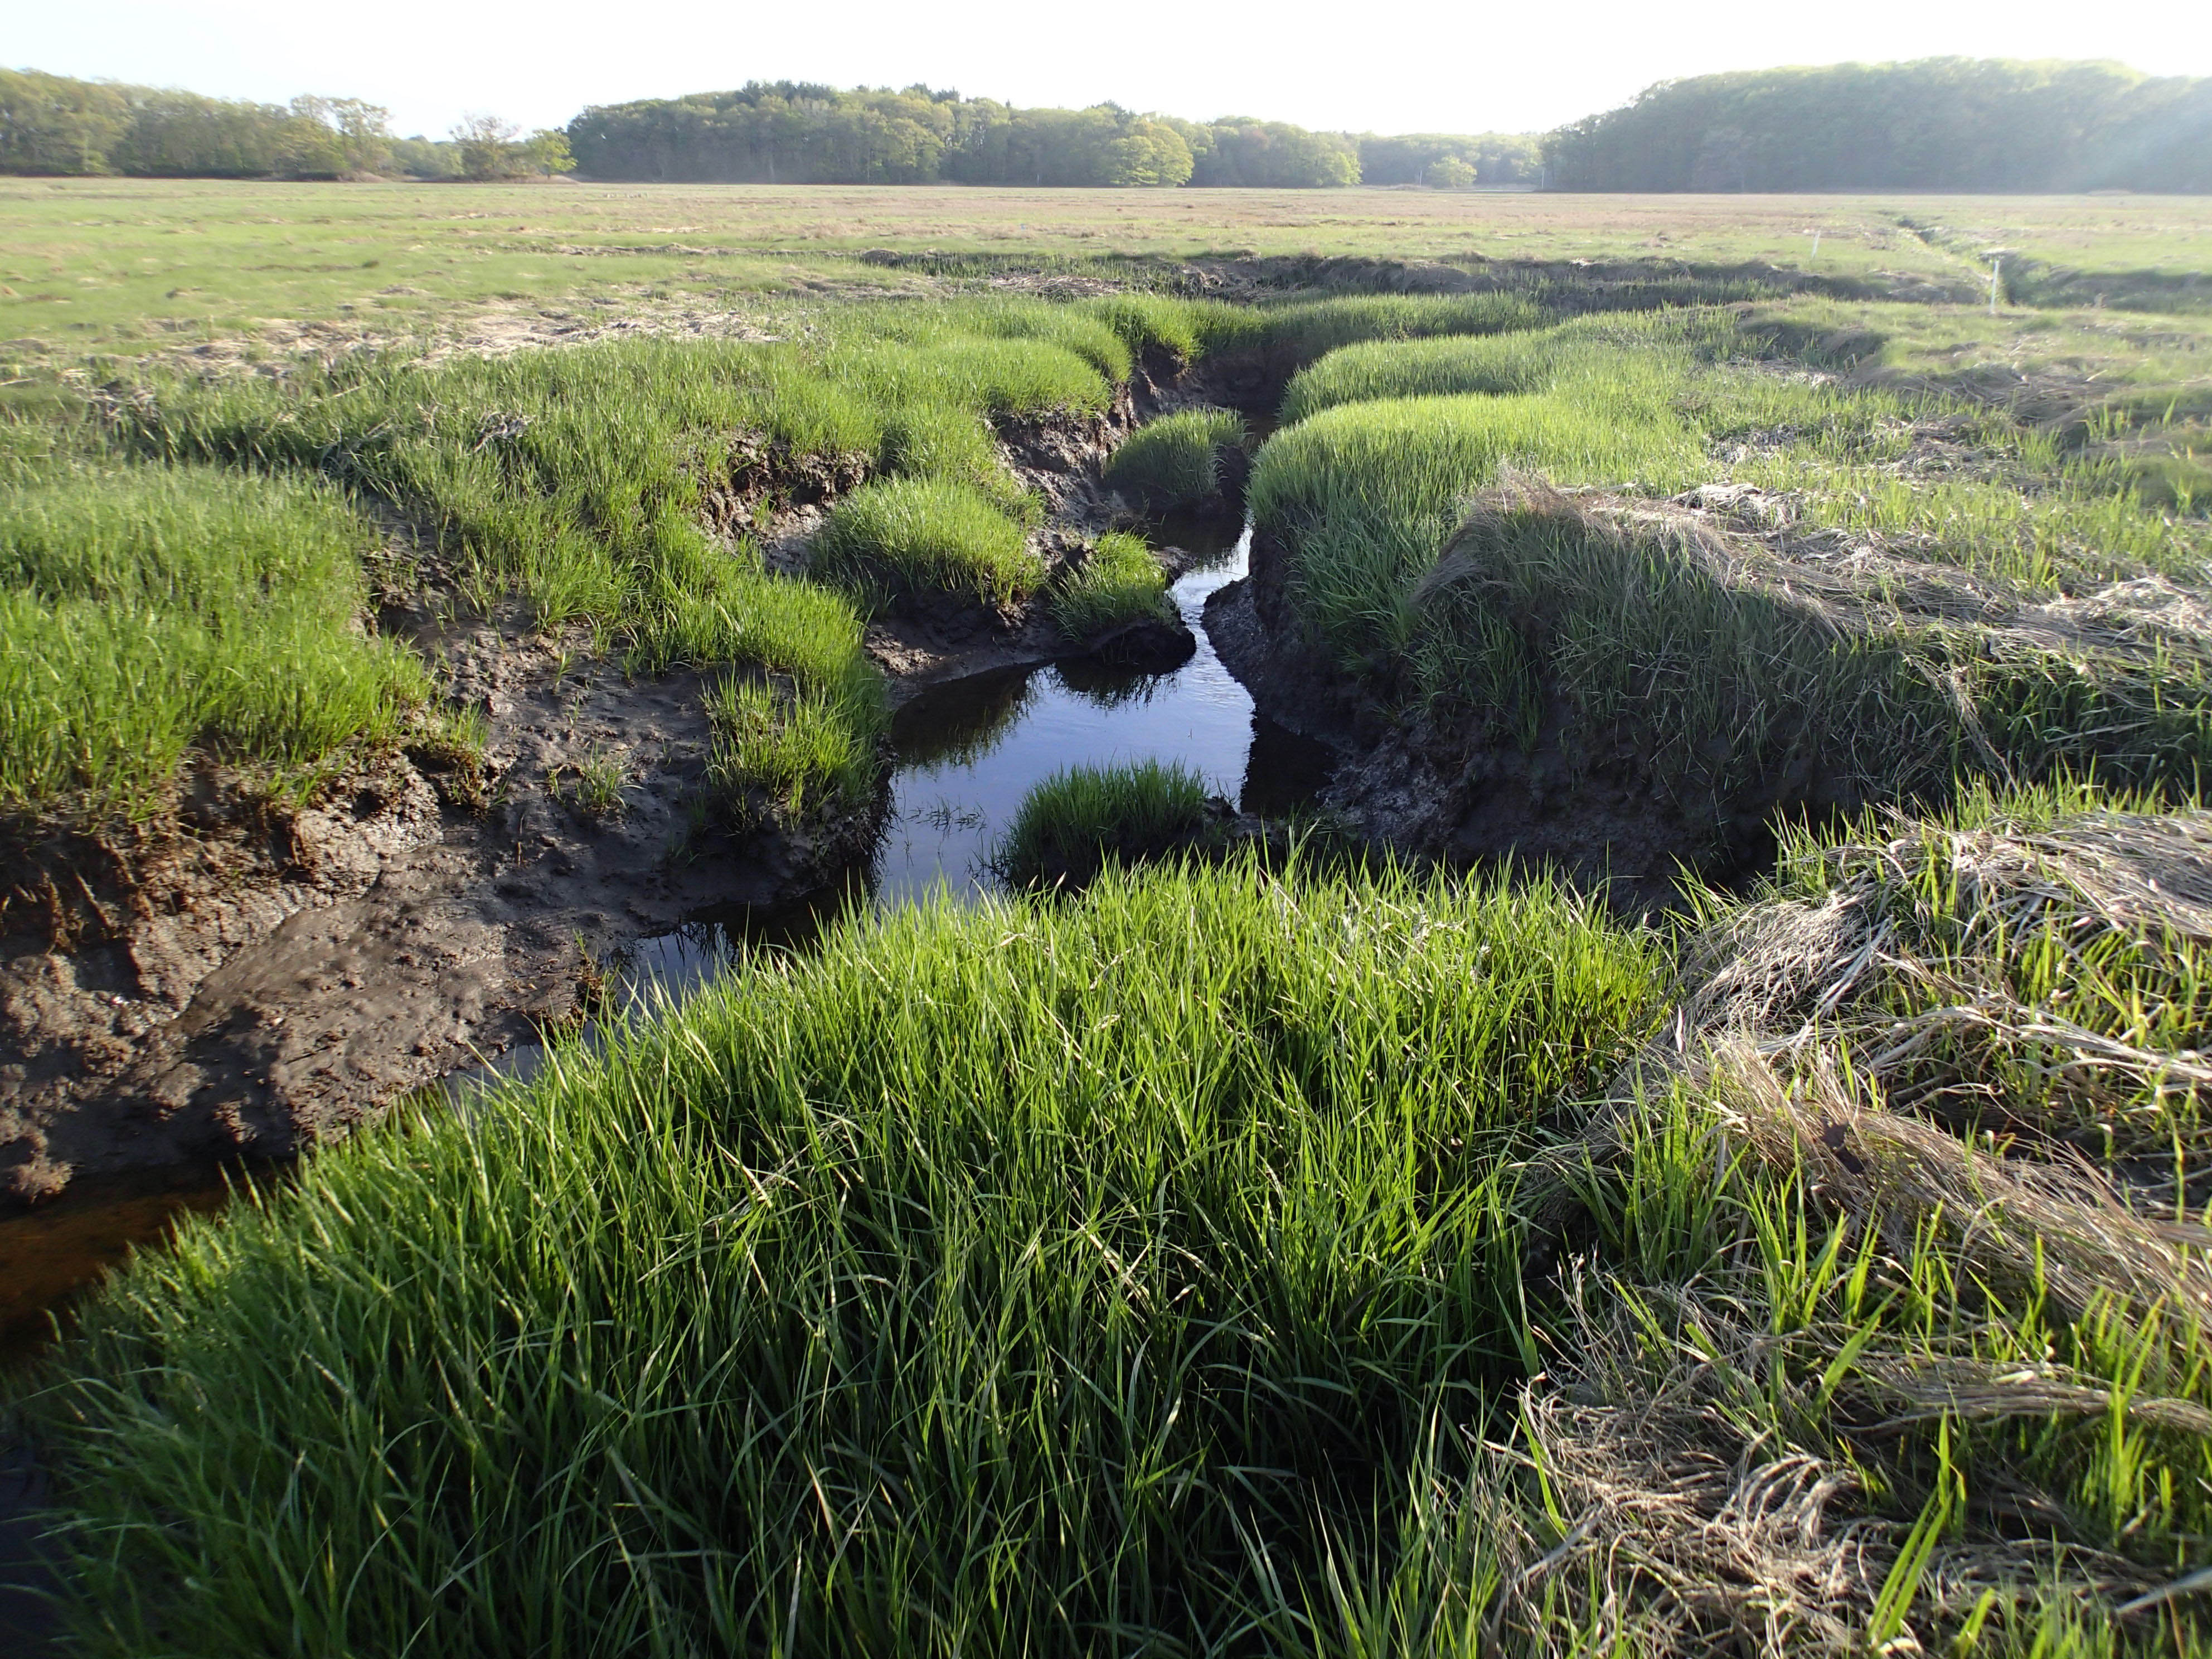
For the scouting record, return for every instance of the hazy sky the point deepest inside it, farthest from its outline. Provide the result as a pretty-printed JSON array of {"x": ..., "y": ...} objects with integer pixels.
[{"x": 1415, "y": 66}]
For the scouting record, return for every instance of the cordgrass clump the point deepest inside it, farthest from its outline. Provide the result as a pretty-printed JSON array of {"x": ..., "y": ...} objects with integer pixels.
[
  {"x": 1362, "y": 496},
  {"x": 1020, "y": 1277},
  {"x": 905, "y": 536},
  {"x": 1174, "y": 461},
  {"x": 1071, "y": 825},
  {"x": 146, "y": 609},
  {"x": 1119, "y": 582},
  {"x": 1739, "y": 677},
  {"x": 775, "y": 750},
  {"x": 1449, "y": 366}
]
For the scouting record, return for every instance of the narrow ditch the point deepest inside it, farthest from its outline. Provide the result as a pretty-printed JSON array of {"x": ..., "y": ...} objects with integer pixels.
[{"x": 965, "y": 753}]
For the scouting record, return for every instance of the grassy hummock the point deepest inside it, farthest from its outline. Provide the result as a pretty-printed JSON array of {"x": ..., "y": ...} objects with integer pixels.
[
  {"x": 925, "y": 535},
  {"x": 1019, "y": 1278},
  {"x": 776, "y": 750},
  {"x": 145, "y": 610},
  {"x": 1073, "y": 824},
  {"x": 1174, "y": 461},
  {"x": 1118, "y": 581}
]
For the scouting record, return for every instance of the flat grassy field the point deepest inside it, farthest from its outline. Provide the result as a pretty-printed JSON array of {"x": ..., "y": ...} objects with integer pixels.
[{"x": 132, "y": 264}]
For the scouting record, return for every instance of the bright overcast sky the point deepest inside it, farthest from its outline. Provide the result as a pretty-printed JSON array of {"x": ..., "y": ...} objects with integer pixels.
[{"x": 1407, "y": 66}]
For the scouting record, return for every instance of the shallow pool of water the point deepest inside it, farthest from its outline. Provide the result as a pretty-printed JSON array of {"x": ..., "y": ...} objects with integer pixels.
[
  {"x": 969, "y": 751},
  {"x": 966, "y": 752}
]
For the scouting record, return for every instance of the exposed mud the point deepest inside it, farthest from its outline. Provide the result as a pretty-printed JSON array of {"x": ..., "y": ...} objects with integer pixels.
[
  {"x": 240, "y": 979},
  {"x": 1417, "y": 784},
  {"x": 256, "y": 989}
]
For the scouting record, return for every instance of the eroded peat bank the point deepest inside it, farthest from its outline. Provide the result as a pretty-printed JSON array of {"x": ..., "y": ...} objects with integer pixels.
[{"x": 1306, "y": 957}]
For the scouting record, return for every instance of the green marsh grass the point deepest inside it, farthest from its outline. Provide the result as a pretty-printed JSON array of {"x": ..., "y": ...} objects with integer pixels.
[
  {"x": 1729, "y": 680},
  {"x": 581, "y": 480},
  {"x": 925, "y": 535},
  {"x": 148, "y": 610},
  {"x": 1617, "y": 358},
  {"x": 1362, "y": 495},
  {"x": 1120, "y": 580},
  {"x": 1174, "y": 461},
  {"x": 1016, "y": 1278},
  {"x": 1070, "y": 825},
  {"x": 788, "y": 747}
]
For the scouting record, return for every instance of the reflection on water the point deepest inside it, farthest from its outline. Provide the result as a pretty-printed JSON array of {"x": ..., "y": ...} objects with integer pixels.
[
  {"x": 963, "y": 720},
  {"x": 966, "y": 752},
  {"x": 969, "y": 752}
]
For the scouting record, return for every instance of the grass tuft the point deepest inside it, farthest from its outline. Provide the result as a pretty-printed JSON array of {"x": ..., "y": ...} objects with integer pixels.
[
  {"x": 907, "y": 536},
  {"x": 1073, "y": 824},
  {"x": 1118, "y": 581},
  {"x": 777, "y": 750},
  {"x": 1174, "y": 461},
  {"x": 147, "y": 610}
]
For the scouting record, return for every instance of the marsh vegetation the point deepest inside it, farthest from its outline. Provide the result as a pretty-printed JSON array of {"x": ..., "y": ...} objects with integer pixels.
[{"x": 1229, "y": 1249}]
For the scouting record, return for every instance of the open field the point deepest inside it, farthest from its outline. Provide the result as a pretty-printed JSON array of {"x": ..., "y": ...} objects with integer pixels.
[
  {"x": 129, "y": 266},
  {"x": 1695, "y": 1141}
]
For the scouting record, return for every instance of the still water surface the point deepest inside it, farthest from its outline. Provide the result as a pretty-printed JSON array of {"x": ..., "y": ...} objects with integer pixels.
[{"x": 968, "y": 751}]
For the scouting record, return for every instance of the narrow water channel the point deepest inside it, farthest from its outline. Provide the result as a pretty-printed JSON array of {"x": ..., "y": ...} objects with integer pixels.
[{"x": 966, "y": 752}]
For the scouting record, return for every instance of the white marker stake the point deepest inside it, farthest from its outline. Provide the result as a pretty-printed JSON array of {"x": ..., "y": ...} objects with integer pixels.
[
  {"x": 1996, "y": 268},
  {"x": 1816, "y": 244}
]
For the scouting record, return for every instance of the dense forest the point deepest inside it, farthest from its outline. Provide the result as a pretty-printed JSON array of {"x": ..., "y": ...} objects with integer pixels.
[
  {"x": 1938, "y": 123},
  {"x": 796, "y": 133},
  {"x": 792, "y": 132},
  {"x": 51, "y": 124}
]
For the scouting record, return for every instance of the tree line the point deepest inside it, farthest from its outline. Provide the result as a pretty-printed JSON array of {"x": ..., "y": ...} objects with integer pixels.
[
  {"x": 1938, "y": 124},
  {"x": 52, "y": 124},
  {"x": 784, "y": 131},
  {"x": 798, "y": 132}
]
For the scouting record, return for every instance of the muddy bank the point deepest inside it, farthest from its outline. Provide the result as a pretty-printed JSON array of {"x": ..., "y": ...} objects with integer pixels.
[
  {"x": 237, "y": 981},
  {"x": 261, "y": 981},
  {"x": 1418, "y": 784}
]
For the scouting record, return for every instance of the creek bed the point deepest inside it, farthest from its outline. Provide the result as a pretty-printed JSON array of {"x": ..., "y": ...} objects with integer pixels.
[{"x": 967, "y": 752}]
